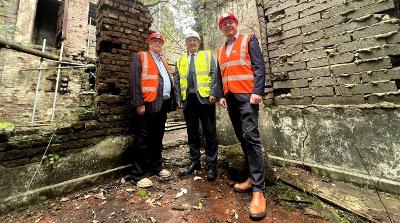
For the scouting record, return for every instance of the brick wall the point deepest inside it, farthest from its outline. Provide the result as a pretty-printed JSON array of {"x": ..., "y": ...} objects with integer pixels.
[
  {"x": 18, "y": 86},
  {"x": 78, "y": 27},
  {"x": 122, "y": 28},
  {"x": 333, "y": 52}
]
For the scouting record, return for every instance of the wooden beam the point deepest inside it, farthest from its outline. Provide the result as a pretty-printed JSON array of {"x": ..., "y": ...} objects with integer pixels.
[{"x": 9, "y": 44}]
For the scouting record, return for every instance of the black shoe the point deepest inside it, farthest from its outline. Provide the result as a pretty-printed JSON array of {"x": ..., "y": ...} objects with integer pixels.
[
  {"x": 190, "y": 169},
  {"x": 211, "y": 173}
]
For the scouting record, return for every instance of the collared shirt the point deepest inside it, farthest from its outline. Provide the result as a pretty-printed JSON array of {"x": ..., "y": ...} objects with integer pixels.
[
  {"x": 195, "y": 55},
  {"x": 229, "y": 44},
  {"x": 164, "y": 75}
]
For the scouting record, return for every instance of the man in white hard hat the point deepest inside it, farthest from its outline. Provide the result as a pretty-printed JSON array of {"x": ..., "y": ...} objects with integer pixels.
[{"x": 193, "y": 79}]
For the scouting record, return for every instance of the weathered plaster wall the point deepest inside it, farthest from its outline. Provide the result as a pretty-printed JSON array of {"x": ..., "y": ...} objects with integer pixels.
[{"x": 330, "y": 136}]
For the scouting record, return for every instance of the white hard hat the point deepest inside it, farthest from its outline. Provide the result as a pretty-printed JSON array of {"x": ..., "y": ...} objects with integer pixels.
[{"x": 192, "y": 33}]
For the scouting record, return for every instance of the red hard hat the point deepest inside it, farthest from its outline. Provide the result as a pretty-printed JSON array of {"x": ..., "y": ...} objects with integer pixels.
[
  {"x": 155, "y": 36},
  {"x": 227, "y": 15}
]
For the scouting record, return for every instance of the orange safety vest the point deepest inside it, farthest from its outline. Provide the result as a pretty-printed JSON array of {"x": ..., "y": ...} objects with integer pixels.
[
  {"x": 236, "y": 70},
  {"x": 150, "y": 76}
]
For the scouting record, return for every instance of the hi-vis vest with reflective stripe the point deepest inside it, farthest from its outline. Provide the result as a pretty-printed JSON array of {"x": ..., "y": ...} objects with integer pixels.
[
  {"x": 150, "y": 76},
  {"x": 236, "y": 70},
  {"x": 202, "y": 69}
]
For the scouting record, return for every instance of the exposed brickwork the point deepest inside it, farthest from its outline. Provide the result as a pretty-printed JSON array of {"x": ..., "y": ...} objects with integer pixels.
[
  {"x": 78, "y": 27},
  {"x": 122, "y": 28},
  {"x": 333, "y": 52},
  {"x": 17, "y": 88}
]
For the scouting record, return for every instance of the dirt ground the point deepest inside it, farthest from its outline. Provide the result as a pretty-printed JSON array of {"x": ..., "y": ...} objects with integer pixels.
[{"x": 120, "y": 200}]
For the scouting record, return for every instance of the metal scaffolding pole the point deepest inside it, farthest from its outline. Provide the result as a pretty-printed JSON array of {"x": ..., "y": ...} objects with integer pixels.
[
  {"x": 38, "y": 83},
  {"x": 58, "y": 79},
  {"x": 64, "y": 62},
  {"x": 70, "y": 67}
]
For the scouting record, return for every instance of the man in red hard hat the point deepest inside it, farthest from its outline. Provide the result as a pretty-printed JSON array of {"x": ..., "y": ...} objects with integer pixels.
[
  {"x": 153, "y": 96},
  {"x": 241, "y": 73}
]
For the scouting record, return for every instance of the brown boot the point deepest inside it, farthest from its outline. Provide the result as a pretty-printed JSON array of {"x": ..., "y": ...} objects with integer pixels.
[
  {"x": 258, "y": 206},
  {"x": 243, "y": 187}
]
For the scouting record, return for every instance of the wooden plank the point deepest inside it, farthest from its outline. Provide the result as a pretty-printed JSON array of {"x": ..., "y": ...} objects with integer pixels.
[{"x": 361, "y": 201}]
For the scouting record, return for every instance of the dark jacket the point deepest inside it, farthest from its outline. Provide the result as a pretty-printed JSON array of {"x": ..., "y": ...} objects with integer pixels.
[
  {"x": 257, "y": 61},
  {"x": 214, "y": 86},
  {"x": 135, "y": 81}
]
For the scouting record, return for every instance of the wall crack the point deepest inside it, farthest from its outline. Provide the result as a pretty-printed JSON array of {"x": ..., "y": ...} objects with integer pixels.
[{"x": 305, "y": 138}]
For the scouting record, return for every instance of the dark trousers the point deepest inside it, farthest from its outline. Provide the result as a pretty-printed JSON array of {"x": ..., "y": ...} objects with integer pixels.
[
  {"x": 194, "y": 112},
  {"x": 244, "y": 118},
  {"x": 147, "y": 147}
]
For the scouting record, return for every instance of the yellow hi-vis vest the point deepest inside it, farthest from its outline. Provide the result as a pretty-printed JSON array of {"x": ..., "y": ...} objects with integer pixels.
[{"x": 202, "y": 70}]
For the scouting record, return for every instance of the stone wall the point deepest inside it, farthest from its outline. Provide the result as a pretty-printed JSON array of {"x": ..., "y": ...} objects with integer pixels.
[{"x": 333, "y": 52}]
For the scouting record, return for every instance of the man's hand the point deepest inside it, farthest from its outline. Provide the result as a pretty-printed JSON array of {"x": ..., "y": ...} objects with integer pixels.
[
  {"x": 140, "y": 109},
  {"x": 255, "y": 99},
  {"x": 180, "y": 105},
  {"x": 223, "y": 103},
  {"x": 213, "y": 100}
]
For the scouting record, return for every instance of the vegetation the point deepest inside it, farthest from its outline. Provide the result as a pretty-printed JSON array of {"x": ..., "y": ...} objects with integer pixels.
[
  {"x": 142, "y": 193},
  {"x": 8, "y": 126},
  {"x": 50, "y": 159}
]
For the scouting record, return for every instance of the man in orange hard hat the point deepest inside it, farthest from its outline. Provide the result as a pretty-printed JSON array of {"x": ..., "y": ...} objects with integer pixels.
[
  {"x": 153, "y": 96},
  {"x": 241, "y": 73}
]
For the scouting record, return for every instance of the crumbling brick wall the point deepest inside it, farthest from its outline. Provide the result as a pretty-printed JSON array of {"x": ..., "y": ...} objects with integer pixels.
[
  {"x": 122, "y": 28},
  {"x": 333, "y": 52}
]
